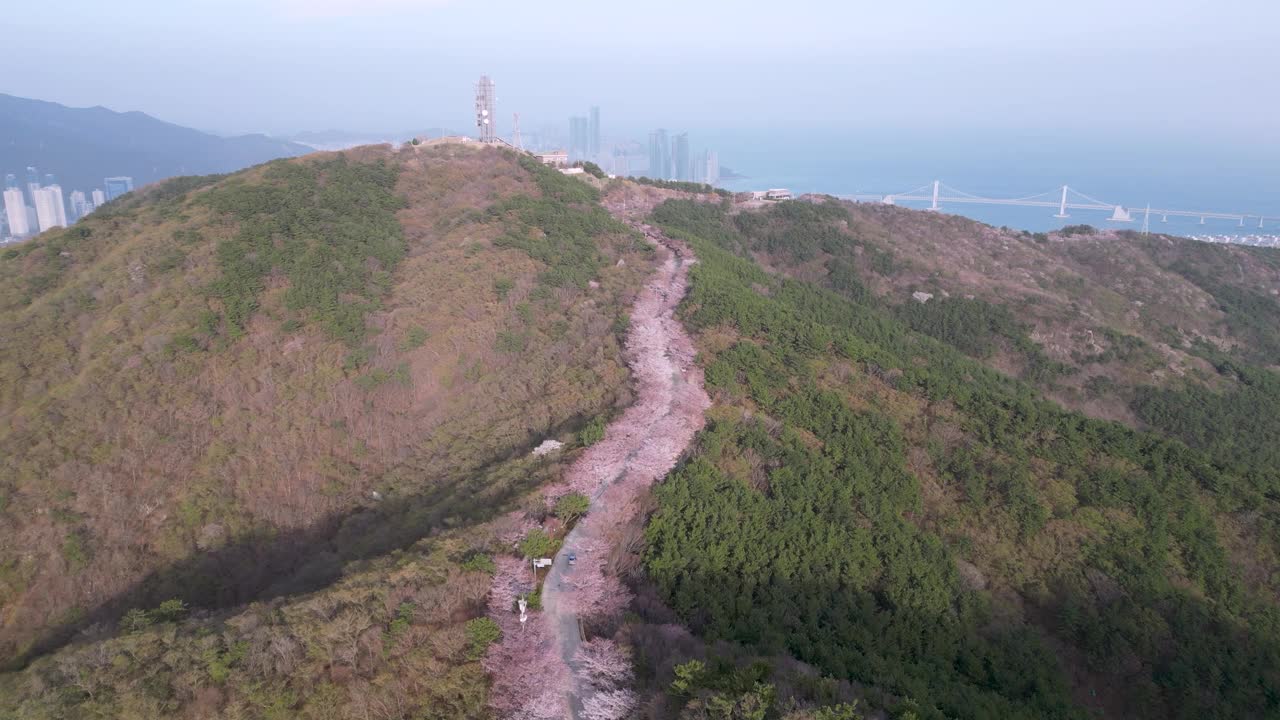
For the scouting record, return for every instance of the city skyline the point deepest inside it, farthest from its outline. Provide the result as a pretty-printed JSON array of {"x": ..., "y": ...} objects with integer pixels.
[{"x": 41, "y": 205}]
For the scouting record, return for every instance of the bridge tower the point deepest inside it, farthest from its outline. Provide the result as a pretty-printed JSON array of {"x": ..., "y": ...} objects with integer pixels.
[
  {"x": 1062, "y": 207},
  {"x": 934, "y": 206},
  {"x": 1146, "y": 220}
]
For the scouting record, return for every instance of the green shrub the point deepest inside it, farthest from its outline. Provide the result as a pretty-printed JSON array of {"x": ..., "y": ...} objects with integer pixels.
[
  {"x": 171, "y": 610},
  {"x": 591, "y": 169},
  {"x": 414, "y": 337},
  {"x": 402, "y": 620},
  {"x": 358, "y": 358},
  {"x": 218, "y": 661},
  {"x": 1073, "y": 230},
  {"x": 592, "y": 432},
  {"x": 136, "y": 620},
  {"x": 571, "y": 507},
  {"x": 75, "y": 550},
  {"x": 502, "y": 286},
  {"x": 481, "y": 633},
  {"x": 373, "y": 379},
  {"x": 688, "y": 678},
  {"x": 480, "y": 563},
  {"x": 537, "y": 544},
  {"x": 182, "y": 342},
  {"x": 512, "y": 342}
]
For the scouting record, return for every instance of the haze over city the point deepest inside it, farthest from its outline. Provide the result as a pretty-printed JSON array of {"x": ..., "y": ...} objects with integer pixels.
[{"x": 1144, "y": 68}]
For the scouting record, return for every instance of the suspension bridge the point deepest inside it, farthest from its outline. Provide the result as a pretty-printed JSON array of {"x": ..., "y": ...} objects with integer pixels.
[{"x": 1062, "y": 199}]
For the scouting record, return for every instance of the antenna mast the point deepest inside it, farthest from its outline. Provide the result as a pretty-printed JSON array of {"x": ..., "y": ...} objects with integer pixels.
[
  {"x": 515, "y": 131},
  {"x": 484, "y": 109}
]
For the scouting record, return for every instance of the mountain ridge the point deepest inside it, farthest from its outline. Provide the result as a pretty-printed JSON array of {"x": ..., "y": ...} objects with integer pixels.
[{"x": 81, "y": 146}]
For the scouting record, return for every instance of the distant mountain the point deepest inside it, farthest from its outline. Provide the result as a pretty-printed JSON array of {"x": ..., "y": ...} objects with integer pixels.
[{"x": 81, "y": 146}]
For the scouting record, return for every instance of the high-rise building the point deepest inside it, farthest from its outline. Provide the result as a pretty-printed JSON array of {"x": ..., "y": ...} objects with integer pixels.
[
  {"x": 710, "y": 167},
  {"x": 99, "y": 199},
  {"x": 680, "y": 158},
  {"x": 10, "y": 181},
  {"x": 117, "y": 186},
  {"x": 79, "y": 206},
  {"x": 579, "y": 139},
  {"x": 33, "y": 184},
  {"x": 659, "y": 155},
  {"x": 593, "y": 133},
  {"x": 50, "y": 210},
  {"x": 15, "y": 208}
]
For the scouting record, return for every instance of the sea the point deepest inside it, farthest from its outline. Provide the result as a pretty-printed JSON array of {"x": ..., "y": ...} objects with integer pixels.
[{"x": 1134, "y": 173}]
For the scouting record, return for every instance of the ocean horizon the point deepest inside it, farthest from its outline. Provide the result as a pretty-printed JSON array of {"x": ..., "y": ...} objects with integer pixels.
[{"x": 1167, "y": 175}]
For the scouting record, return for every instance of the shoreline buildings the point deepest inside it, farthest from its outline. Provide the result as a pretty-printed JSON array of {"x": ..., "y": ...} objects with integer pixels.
[
  {"x": 672, "y": 158},
  {"x": 51, "y": 211},
  {"x": 584, "y": 136},
  {"x": 37, "y": 206}
]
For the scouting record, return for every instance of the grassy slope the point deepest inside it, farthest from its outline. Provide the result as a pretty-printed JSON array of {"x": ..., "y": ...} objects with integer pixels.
[
  {"x": 205, "y": 382},
  {"x": 876, "y": 504}
]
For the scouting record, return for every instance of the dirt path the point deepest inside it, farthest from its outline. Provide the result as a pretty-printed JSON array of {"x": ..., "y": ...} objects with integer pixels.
[
  {"x": 638, "y": 449},
  {"x": 543, "y": 669}
]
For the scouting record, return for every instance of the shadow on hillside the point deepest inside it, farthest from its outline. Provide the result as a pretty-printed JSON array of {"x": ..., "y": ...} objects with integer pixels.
[
  {"x": 1082, "y": 654},
  {"x": 271, "y": 565}
]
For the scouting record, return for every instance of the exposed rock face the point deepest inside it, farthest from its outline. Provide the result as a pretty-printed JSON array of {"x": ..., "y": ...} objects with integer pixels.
[{"x": 547, "y": 447}]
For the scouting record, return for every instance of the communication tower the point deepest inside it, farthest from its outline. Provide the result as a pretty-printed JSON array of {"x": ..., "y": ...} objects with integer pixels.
[
  {"x": 485, "y": 118},
  {"x": 515, "y": 131}
]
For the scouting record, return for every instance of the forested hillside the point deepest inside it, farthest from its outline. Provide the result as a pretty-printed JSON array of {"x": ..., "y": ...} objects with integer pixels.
[
  {"x": 1085, "y": 315},
  {"x": 872, "y": 501},
  {"x": 232, "y": 389},
  {"x": 267, "y": 437}
]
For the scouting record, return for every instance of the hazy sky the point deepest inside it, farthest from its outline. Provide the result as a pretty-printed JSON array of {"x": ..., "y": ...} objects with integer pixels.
[{"x": 1186, "y": 69}]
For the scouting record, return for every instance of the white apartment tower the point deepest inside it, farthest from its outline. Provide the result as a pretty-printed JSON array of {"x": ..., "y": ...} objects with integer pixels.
[
  {"x": 80, "y": 205},
  {"x": 711, "y": 168},
  {"x": 15, "y": 207},
  {"x": 51, "y": 212}
]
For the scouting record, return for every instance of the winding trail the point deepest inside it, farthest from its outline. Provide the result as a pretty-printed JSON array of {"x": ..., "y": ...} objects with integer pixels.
[{"x": 639, "y": 448}]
